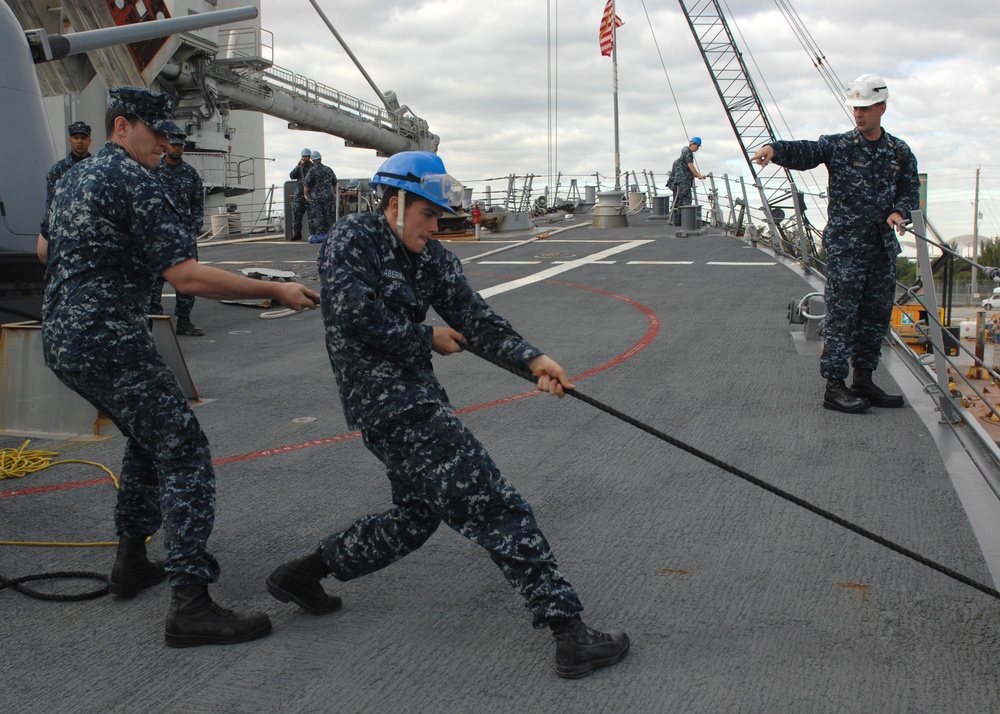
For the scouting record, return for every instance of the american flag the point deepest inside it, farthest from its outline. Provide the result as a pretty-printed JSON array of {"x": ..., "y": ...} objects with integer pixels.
[{"x": 607, "y": 31}]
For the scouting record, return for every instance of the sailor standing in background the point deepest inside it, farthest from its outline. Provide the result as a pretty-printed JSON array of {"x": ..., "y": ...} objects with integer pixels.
[
  {"x": 185, "y": 189},
  {"x": 298, "y": 174},
  {"x": 113, "y": 229},
  {"x": 319, "y": 192},
  {"x": 682, "y": 176},
  {"x": 873, "y": 189},
  {"x": 79, "y": 142}
]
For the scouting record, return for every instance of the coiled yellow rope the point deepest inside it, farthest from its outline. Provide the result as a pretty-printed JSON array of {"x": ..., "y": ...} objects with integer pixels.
[{"x": 18, "y": 463}]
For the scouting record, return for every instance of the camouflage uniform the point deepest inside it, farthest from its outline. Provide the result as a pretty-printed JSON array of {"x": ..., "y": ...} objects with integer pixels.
[
  {"x": 113, "y": 229},
  {"x": 51, "y": 178},
  {"x": 868, "y": 182},
  {"x": 299, "y": 203},
  {"x": 375, "y": 298},
  {"x": 187, "y": 192},
  {"x": 320, "y": 183},
  {"x": 681, "y": 182}
]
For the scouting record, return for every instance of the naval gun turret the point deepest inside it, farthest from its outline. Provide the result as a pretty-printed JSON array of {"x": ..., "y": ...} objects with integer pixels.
[{"x": 26, "y": 143}]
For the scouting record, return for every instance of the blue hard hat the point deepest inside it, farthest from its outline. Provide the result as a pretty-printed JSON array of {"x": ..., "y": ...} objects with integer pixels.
[
  {"x": 316, "y": 156},
  {"x": 696, "y": 140},
  {"x": 421, "y": 173}
]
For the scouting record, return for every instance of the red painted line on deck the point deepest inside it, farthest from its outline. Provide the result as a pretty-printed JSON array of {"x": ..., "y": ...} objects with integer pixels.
[
  {"x": 55, "y": 487},
  {"x": 652, "y": 330},
  {"x": 285, "y": 449},
  {"x": 647, "y": 339}
]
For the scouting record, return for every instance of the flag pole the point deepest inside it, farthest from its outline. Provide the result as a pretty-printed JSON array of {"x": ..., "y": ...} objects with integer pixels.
[
  {"x": 614, "y": 88},
  {"x": 609, "y": 210}
]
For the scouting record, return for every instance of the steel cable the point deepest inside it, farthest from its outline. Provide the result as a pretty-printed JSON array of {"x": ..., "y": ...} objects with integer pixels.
[{"x": 833, "y": 518}]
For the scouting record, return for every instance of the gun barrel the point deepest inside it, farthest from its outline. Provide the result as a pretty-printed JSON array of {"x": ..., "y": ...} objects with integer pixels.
[{"x": 80, "y": 42}]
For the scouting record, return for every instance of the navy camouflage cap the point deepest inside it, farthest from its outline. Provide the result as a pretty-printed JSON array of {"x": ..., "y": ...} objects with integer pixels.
[
  {"x": 153, "y": 109},
  {"x": 177, "y": 139},
  {"x": 79, "y": 127}
]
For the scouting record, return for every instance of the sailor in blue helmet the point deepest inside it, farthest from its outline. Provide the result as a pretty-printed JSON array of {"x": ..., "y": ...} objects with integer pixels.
[
  {"x": 298, "y": 174},
  {"x": 682, "y": 176},
  {"x": 114, "y": 229},
  {"x": 381, "y": 272},
  {"x": 874, "y": 187},
  {"x": 318, "y": 191}
]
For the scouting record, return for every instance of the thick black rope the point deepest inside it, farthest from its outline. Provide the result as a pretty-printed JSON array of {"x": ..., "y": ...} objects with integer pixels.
[
  {"x": 15, "y": 583},
  {"x": 752, "y": 479}
]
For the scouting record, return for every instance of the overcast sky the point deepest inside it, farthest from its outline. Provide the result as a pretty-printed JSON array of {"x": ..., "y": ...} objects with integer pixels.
[{"x": 478, "y": 73}]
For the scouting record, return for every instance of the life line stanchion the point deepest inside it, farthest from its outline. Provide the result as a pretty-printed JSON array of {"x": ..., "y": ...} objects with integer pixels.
[{"x": 833, "y": 518}]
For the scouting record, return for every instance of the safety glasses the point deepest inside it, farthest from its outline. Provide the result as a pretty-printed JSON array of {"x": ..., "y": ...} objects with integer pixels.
[{"x": 442, "y": 187}]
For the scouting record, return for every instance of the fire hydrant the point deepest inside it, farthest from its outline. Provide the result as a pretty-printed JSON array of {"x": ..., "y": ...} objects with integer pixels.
[{"x": 477, "y": 218}]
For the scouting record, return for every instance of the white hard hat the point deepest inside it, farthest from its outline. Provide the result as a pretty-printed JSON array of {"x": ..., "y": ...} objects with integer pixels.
[{"x": 866, "y": 90}]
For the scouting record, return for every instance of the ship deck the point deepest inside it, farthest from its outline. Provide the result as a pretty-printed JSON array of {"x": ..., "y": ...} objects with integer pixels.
[{"x": 734, "y": 599}]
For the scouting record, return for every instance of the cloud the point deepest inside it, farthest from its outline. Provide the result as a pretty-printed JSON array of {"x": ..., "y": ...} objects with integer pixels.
[{"x": 479, "y": 74}]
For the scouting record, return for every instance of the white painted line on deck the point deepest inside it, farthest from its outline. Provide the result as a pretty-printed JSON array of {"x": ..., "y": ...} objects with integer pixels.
[
  {"x": 549, "y": 240},
  {"x": 591, "y": 262},
  {"x": 559, "y": 269},
  {"x": 508, "y": 262},
  {"x": 713, "y": 262},
  {"x": 660, "y": 262}
]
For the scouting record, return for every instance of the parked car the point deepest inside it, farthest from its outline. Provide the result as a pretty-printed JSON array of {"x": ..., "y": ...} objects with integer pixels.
[{"x": 992, "y": 302}]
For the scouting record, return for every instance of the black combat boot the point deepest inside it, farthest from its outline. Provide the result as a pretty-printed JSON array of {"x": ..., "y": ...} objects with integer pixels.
[
  {"x": 187, "y": 328},
  {"x": 298, "y": 581},
  {"x": 839, "y": 398},
  {"x": 580, "y": 650},
  {"x": 865, "y": 388},
  {"x": 133, "y": 571},
  {"x": 194, "y": 619}
]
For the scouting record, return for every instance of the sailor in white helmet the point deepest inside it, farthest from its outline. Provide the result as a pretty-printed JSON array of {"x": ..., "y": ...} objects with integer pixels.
[
  {"x": 874, "y": 187},
  {"x": 381, "y": 272}
]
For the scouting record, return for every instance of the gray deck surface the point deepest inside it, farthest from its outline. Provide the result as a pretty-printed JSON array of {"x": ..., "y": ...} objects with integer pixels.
[{"x": 735, "y": 600}]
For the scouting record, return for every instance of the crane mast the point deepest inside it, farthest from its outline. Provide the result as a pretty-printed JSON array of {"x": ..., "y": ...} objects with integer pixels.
[{"x": 779, "y": 196}]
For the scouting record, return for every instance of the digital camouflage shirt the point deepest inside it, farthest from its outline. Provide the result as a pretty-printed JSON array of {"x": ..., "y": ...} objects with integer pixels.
[
  {"x": 375, "y": 298},
  {"x": 187, "y": 192},
  {"x": 319, "y": 181},
  {"x": 298, "y": 174},
  {"x": 113, "y": 227},
  {"x": 51, "y": 179},
  {"x": 680, "y": 172},
  {"x": 868, "y": 182}
]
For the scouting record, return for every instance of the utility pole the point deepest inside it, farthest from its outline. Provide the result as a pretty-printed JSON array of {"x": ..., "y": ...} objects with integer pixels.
[{"x": 975, "y": 237}]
